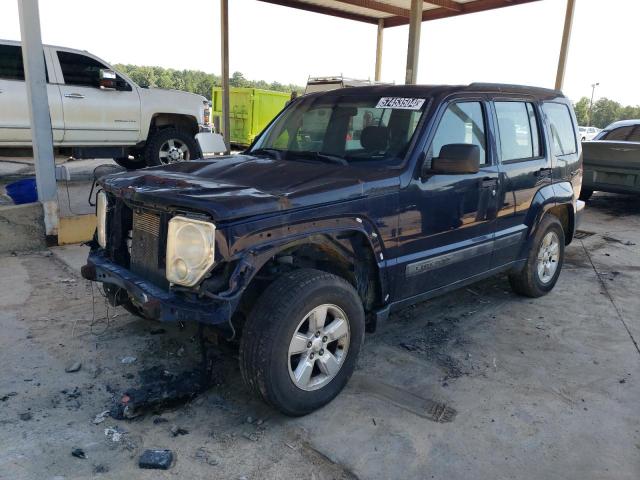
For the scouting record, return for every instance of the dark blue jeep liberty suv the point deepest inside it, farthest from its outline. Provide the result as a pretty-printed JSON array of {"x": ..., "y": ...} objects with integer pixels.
[{"x": 349, "y": 205}]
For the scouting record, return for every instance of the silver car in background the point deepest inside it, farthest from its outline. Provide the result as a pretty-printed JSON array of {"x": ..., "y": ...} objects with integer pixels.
[{"x": 612, "y": 160}]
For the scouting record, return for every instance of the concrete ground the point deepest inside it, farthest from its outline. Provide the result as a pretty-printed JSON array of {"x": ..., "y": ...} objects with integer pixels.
[{"x": 530, "y": 389}]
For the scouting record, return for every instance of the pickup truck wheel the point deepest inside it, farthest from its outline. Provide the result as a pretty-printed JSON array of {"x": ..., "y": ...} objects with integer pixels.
[
  {"x": 585, "y": 194},
  {"x": 544, "y": 262},
  {"x": 171, "y": 145},
  {"x": 301, "y": 340}
]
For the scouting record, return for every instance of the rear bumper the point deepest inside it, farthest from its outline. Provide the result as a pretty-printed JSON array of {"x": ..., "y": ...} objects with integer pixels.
[
  {"x": 156, "y": 303},
  {"x": 611, "y": 179}
]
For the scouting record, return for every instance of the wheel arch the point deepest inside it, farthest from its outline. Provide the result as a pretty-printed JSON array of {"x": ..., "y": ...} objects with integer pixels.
[
  {"x": 160, "y": 120},
  {"x": 349, "y": 253},
  {"x": 555, "y": 199}
]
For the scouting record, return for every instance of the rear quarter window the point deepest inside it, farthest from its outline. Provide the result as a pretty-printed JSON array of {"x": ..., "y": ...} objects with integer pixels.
[{"x": 563, "y": 136}]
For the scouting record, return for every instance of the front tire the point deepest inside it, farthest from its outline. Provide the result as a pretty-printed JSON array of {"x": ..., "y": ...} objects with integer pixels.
[
  {"x": 544, "y": 262},
  {"x": 170, "y": 145},
  {"x": 301, "y": 340}
]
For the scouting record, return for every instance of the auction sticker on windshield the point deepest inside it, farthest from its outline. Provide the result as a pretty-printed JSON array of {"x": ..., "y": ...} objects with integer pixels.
[{"x": 401, "y": 103}]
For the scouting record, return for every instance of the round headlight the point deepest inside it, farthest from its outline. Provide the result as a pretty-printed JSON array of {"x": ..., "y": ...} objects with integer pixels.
[{"x": 191, "y": 246}]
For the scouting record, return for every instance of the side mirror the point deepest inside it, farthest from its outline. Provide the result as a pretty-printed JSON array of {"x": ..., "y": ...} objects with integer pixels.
[
  {"x": 108, "y": 79},
  {"x": 457, "y": 158}
]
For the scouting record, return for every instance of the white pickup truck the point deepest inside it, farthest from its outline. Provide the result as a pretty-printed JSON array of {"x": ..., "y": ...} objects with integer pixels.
[{"x": 98, "y": 112}]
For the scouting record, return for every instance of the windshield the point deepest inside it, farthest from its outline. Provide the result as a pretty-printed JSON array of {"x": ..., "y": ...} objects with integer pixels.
[{"x": 343, "y": 130}]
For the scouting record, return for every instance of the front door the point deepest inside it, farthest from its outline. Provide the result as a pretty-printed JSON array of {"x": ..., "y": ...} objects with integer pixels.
[
  {"x": 447, "y": 224},
  {"x": 15, "y": 125},
  {"x": 91, "y": 114}
]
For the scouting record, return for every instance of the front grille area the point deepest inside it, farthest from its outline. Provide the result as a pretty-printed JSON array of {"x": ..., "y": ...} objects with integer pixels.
[{"x": 147, "y": 244}]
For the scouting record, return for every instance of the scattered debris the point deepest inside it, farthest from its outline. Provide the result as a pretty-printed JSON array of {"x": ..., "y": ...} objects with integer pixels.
[
  {"x": 623, "y": 381},
  {"x": 157, "y": 331},
  {"x": 616, "y": 240},
  {"x": 78, "y": 453},
  {"x": 176, "y": 430},
  {"x": 128, "y": 360},
  {"x": 114, "y": 433},
  {"x": 156, "y": 459},
  {"x": 160, "y": 389},
  {"x": 26, "y": 416},
  {"x": 6, "y": 397},
  {"x": 251, "y": 436},
  {"x": 159, "y": 420},
  {"x": 100, "y": 468},
  {"x": 101, "y": 417},
  {"x": 205, "y": 456},
  {"x": 73, "y": 367},
  {"x": 249, "y": 419}
]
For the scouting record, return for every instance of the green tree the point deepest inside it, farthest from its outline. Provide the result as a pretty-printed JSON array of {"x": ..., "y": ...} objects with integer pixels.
[
  {"x": 582, "y": 110},
  {"x": 605, "y": 111},
  {"x": 194, "y": 81}
]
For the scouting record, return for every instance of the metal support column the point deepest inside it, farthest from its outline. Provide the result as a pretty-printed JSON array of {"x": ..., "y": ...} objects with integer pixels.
[
  {"x": 564, "y": 48},
  {"x": 224, "y": 42},
  {"x": 413, "y": 49},
  {"x": 39, "y": 115},
  {"x": 379, "y": 50}
]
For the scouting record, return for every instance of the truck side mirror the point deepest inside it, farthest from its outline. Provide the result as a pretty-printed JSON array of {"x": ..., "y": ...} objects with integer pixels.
[
  {"x": 457, "y": 158},
  {"x": 108, "y": 79}
]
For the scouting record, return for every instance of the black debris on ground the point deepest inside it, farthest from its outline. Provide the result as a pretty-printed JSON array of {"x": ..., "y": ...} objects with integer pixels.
[
  {"x": 156, "y": 459},
  {"x": 78, "y": 453},
  {"x": 158, "y": 390},
  {"x": 176, "y": 430}
]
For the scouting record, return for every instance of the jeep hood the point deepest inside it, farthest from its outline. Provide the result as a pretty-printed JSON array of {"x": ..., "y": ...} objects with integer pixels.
[{"x": 241, "y": 186}]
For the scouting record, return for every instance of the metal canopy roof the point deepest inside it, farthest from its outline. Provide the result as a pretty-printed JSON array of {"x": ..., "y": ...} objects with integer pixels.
[{"x": 394, "y": 12}]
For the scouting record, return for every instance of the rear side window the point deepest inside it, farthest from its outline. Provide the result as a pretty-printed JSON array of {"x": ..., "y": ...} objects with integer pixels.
[
  {"x": 635, "y": 135},
  {"x": 518, "y": 126},
  {"x": 80, "y": 69},
  {"x": 562, "y": 133},
  {"x": 11, "y": 67},
  {"x": 463, "y": 122},
  {"x": 619, "y": 134}
]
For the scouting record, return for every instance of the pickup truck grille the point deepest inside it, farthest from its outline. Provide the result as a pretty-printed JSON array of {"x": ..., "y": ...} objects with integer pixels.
[{"x": 147, "y": 256}]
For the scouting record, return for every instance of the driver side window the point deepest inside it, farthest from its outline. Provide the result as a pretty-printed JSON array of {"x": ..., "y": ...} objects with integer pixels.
[
  {"x": 463, "y": 122},
  {"x": 84, "y": 71}
]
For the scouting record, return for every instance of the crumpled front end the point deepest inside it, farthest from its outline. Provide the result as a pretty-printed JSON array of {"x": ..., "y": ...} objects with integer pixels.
[{"x": 132, "y": 267}]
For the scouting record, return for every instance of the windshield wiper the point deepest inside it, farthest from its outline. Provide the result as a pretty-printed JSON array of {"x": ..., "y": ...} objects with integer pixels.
[
  {"x": 270, "y": 152},
  {"x": 327, "y": 157}
]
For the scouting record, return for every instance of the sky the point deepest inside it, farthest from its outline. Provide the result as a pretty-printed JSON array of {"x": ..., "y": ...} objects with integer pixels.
[{"x": 517, "y": 44}]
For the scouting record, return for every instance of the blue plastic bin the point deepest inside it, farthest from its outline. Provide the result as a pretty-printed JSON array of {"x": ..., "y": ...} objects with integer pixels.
[{"x": 23, "y": 191}]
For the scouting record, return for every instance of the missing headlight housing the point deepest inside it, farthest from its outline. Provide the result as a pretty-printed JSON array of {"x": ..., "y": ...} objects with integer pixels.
[{"x": 190, "y": 250}]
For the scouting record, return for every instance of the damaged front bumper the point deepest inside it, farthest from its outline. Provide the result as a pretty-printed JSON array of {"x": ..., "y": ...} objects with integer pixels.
[{"x": 154, "y": 302}]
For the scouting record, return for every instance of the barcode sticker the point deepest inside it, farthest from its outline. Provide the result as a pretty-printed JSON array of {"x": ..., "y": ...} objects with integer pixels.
[{"x": 401, "y": 103}]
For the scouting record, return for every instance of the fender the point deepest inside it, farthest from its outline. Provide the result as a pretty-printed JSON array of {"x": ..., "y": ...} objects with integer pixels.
[
  {"x": 253, "y": 250},
  {"x": 545, "y": 199}
]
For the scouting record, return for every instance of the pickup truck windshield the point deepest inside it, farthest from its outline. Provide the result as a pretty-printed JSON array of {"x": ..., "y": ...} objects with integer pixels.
[{"x": 343, "y": 130}]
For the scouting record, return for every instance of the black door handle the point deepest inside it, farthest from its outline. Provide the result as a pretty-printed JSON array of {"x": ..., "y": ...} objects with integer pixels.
[
  {"x": 488, "y": 182},
  {"x": 544, "y": 172}
]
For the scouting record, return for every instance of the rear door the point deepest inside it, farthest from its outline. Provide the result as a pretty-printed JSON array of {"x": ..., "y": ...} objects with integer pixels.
[
  {"x": 15, "y": 129},
  {"x": 93, "y": 115},
  {"x": 525, "y": 168}
]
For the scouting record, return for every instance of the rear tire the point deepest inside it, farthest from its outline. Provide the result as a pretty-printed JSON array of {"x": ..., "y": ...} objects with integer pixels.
[
  {"x": 544, "y": 261},
  {"x": 171, "y": 145},
  {"x": 585, "y": 194},
  {"x": 281, "y": 324}
]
